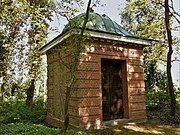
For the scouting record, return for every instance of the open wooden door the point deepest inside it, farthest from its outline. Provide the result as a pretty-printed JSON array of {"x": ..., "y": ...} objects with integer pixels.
[{"x": 112, "y": 90}]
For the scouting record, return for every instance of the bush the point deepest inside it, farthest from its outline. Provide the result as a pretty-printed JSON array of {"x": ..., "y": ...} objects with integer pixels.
[
  {"x": 12, "y": 112},
  {"x": 175, "y": 119},
  {"x": 16, "y": 119},
  {"x": 157, "y": 100},
  {"x": 27, "y": 129},
  {"x": 33, "y": 129}
]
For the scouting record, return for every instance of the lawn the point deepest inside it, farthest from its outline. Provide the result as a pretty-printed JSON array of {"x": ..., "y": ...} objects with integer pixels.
[
  {"x": 140, "y": 129},
  {"x": 17, "y": 119},
  {"x": 127, "y": 129},
  {"x": 33, "y": 129}
]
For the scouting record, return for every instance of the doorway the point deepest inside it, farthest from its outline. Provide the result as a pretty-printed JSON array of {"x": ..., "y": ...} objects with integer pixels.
[{"x": 112, "y": 89}]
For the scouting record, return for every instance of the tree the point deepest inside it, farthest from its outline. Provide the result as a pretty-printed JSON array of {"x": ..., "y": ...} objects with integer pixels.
[
  {"x": 146, "y": 18},
  {"x": 3, "y": 69},
  {"x": 24, "y": 25},
  {"x": 10, "y": 23},
  {"x": 170, "y": 51},
  {"x": 75, "y": 50},
  {"x": 39, "y": 13}
]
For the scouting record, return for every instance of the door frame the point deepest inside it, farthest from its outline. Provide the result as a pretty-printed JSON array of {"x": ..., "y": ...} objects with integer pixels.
[{"x": 124, "y": 85}]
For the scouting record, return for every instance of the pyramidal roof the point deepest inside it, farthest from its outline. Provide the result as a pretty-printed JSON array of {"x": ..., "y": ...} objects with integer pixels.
[
  {"x": 99, "y": 26},
  {"x": 101, "y": 23}
]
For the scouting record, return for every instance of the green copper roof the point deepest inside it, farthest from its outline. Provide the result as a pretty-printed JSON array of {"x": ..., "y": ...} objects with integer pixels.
[
  {"x": 97, "y": 22},
  {"x": 100, "y": 26}
]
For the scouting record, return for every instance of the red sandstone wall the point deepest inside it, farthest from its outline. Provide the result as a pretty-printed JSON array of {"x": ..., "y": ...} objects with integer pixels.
[
  {"x": 89, "y": 80},
  {"x": 56, "y": 85},
  {"x": 86, "y": 102},
  {"x": 136, "y": 89}
]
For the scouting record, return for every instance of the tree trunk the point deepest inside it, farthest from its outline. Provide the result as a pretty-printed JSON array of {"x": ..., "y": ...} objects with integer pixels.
[
  {"x": 66, "y": 113},
  {"x": 170, "y": 51},
  {"x": 72, "y": 72},
  {"x": 30, "y": 94},
  {"x": 2, "y": 92}
]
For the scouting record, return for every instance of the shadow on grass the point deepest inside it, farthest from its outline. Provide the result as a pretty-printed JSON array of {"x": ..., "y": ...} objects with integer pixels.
[
  {"x": 139, "y": 129},
  {"x": 128, "y": 129},
  {"x": 27, "y": 129}
]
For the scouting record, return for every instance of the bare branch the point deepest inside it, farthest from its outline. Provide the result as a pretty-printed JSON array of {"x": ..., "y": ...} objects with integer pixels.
[
  {"x": 175, "y": 28},
  {"x": 172, "y": 8},
  {"x": 175, "y": 60},
  {"x": 173, "y": 12}
]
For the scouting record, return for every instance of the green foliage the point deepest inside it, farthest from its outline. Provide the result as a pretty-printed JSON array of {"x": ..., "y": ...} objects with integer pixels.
[
  {"x": 27, "y": 129},
  {"x": 12, "y": 112},
  {"x": 73, "y": 132},
  {"x": 157, "y": 100},
  {"x": 157, "y": 96},
  {"x": 175, "y": 119},
  {"x": 146, "y": 18},
  {"x": 33, "y": 129},
  {"x": 68, "y": 8},
  {"x": 24, "y": 26},
  {"x": 177, "y": 92},
  {"x": 17, "y": 118}
]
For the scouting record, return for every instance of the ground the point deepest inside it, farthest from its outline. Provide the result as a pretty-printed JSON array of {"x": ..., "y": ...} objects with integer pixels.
[
  {"x": 158, "y": 123},
  {"x": 16, "y": 119},
  {"x": 151, "y": 128}
]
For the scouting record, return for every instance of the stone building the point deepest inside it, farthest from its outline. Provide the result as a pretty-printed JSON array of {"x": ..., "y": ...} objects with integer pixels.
[{"x": 110, "y": 76}]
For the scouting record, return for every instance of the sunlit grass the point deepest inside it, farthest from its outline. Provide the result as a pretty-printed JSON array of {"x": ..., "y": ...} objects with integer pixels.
[
  {"x": 127, "y": 129},
  {"x": 139, "y": 129},
  {"x": 143, "y": 129}
]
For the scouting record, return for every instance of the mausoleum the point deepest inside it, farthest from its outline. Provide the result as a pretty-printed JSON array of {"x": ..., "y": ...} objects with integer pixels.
[{"x": 110, "y": 75}]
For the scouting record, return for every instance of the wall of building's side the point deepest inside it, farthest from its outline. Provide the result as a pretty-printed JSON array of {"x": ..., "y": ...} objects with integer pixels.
[
  {"x": 89, "y": 89},
  {"x": 56, "y": 84},
  {"x": 85, "y": 106},
  {"x": 136, "y": 86}
]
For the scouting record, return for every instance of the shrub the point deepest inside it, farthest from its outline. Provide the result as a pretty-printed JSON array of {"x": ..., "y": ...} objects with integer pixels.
[
  {"x": 157, "y": 100},
  {"x": 33, "y": 129},
  {"x": 16, "y": 119},
  {"x": 12, "y": 112},
  {"x": 27, "y": 129}
]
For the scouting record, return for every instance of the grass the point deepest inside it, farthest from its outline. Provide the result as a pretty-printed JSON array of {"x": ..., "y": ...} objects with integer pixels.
[
  {"x": 33, "y": 129},
  {"x": 127, "y": 129},
  {"x": 139, "y": 129},
  {"x": 17, "y": 119},
  {"x": 26, "y": 129}
]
